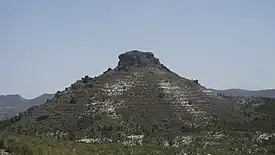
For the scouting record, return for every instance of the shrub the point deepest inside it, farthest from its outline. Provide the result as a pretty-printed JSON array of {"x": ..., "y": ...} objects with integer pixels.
[
  {"x": 26, "y": 149},
  {"x": 89, "y": 85},
  {"x": 16, "y": 147},
  {"x": 86, "y": 79},
  {"x": 73, "y": 100},
  {"x": 2, "y": 143},
  {"x": 71, "y": 136},
  {"x": 42, "y": 117},
  {"x": 108, "y": 70},
  {"x": 196, "y": 81},
  {"x": 57, "y": 94},
  {"x": 161, "y": 94},
  {"x": 74, "y": 86}
]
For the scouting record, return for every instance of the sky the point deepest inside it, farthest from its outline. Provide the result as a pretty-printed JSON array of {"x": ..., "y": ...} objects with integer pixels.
[{"x": 45, "y": 46}]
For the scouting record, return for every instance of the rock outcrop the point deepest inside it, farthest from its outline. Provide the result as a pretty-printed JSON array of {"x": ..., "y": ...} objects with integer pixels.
[{"x": 139, "y": 59}]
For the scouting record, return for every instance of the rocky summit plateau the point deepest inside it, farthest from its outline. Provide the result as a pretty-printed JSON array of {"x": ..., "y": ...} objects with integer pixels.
[{"x": 142, "y": 101}]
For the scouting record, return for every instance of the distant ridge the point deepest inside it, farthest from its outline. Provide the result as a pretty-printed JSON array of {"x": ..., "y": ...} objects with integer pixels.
[
  {"x": 12, "y": 104},
  {"x": 247, "y": 93}
]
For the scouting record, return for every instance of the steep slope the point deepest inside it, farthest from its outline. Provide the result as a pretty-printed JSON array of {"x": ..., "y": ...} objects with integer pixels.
[
  {"x": 140, "y": 87},
  {"x": 142, "y": 100},
  {"x": 11, "y": 105}
]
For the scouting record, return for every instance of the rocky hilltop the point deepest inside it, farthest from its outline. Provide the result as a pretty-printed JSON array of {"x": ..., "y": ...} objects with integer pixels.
[
  {"x": 142, "y": 101},
  {"x": 138, "y": 59}
]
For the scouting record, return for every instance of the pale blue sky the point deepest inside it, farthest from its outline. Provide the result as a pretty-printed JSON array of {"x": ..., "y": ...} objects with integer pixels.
[{"x": 47, "y": 45}]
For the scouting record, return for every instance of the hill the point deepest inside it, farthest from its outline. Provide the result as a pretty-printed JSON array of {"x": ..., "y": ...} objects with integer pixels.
[
  {"x": 13, "y": 104},
  {"x": 247, "y": 93},
  {"x": 140, "y": 102},
  {"x": 10, "y": 105}
]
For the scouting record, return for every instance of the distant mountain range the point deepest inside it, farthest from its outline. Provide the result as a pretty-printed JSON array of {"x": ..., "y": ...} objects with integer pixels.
[
  {"x": 247, "y": 93},
  {"x": 10, "y": 105}
]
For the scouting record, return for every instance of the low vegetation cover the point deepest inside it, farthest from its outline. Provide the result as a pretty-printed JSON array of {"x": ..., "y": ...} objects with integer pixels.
[
  {"x": 29, "y": 145},
  {"x": 142, "y": 107}
]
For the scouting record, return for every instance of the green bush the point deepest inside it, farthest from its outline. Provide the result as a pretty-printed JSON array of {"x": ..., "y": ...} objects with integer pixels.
[
  {"x": 2, "y": 143},
  {"x": 17, "y": 147}
]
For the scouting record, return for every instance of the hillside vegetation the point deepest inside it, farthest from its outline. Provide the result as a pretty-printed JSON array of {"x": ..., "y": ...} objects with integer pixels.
[{"x": 142, "y": 107}]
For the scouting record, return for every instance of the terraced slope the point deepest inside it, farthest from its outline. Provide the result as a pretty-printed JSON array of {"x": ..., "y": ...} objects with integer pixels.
[{"x": 140, "y": 100}]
